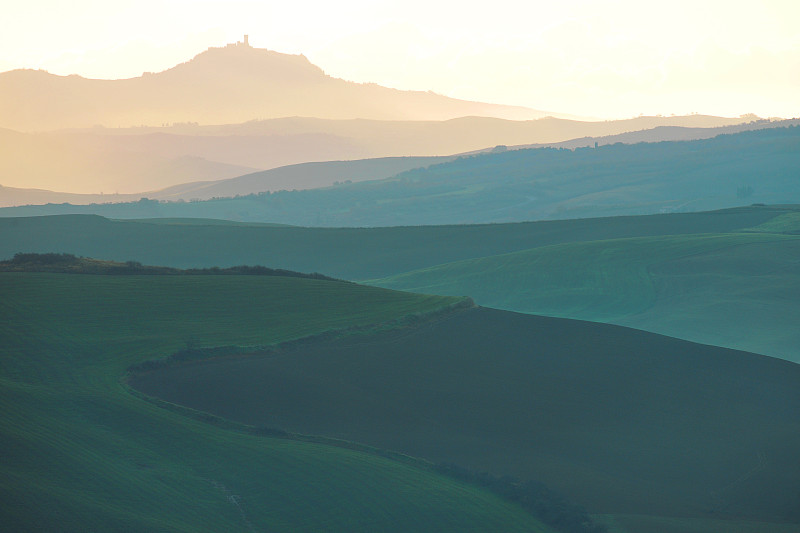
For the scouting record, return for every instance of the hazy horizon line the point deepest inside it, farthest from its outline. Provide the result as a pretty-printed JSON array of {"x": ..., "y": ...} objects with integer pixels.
[{"x": 574, "y": 116}]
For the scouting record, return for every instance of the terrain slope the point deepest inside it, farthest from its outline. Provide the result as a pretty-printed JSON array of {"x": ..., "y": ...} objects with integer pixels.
[
  {"x": 738, "y": 290},
  {"x": 81, "y": 453},
  {"x": 622, "y": 421},
  {"x": 349, "y": 253}
]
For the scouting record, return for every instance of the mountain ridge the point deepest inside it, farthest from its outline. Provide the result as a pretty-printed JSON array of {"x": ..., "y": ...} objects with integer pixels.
[{"x": 235, "y": 83}]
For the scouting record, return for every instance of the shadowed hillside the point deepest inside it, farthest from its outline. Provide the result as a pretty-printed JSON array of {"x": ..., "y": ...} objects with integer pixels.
[{"x": 620, "y": 420}]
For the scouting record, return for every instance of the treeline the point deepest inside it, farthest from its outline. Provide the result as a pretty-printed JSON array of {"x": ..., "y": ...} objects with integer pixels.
[
  {"x": 70, "y": 264},
  {"x": 545, "y": 504},
  {"x": 192, "y": 352}
]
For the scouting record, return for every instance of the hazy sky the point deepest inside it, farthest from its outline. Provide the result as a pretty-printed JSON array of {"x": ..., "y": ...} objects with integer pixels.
[{"x": 607, "y": 58}]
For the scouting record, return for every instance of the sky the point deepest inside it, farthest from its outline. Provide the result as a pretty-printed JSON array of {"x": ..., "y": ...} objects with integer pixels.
[{"x": 601, "y": 59}]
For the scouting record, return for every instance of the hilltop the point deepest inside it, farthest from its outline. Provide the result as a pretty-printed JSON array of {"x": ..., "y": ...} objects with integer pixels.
[{"x": 232, "y": 84}]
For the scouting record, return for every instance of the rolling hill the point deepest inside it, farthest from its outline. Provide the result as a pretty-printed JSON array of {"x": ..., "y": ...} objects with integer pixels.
[
  {"x": 738, "y": 290},
  {"x": 81, "y": 453},
  {"x": 516, "y": 185},
  {"x": 137, "y": 160},
  {"x": 696, "y": 276},
  {"x": 299, "y": 176},
  {"x": 624, "y": 422},
  {"x": 349, "y": 253}
]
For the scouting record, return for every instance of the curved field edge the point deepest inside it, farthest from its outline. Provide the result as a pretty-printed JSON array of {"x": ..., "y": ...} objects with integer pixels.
[
  {"x": 623, "y": 281},
  {"x": 785, "y": 223},
  {"x": 77, "y": 444},
  {"x": 580, "y": 406}
]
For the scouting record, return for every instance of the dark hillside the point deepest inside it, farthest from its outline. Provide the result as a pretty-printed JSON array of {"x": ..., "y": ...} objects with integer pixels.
[
  {"x": 620, "y": 420},
  {"x": 80, "y": 453}
]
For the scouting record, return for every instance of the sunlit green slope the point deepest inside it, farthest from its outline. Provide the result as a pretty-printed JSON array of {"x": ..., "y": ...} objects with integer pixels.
[
  {"x": 80, "y": 453},
  {"x": 738, "y": 290}
]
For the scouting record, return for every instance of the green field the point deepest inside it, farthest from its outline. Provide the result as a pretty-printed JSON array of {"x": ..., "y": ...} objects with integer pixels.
[
  {"x": 348, "y": 253},
  {"x": 738, "y": 290},
  {"x": 81, "y": 453},
  {"x": 621, "y": 421},
  {"x": 721, "y": 277},
  {"x": 785, "y": 223}
]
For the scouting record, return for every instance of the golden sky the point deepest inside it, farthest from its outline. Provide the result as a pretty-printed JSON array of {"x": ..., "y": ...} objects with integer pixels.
[{"x": 606, "y": 59}]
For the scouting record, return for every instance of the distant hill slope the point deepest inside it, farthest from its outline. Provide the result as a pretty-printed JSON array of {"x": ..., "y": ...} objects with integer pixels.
[
  {"x": 350, "y": 253},
  {"x": 136, "y": 160},
  {"x": 620, "y": 420},
  {"x": 225, "y": 85},
  {"x": 300, "y": 176},
  {"x": 81, "y": 453},
  {"x": 726, "y": 171},
  {"x": 666, "y": 133},
  {"x": 739, "y": 290},
  {"x": 291, "y": 177}
]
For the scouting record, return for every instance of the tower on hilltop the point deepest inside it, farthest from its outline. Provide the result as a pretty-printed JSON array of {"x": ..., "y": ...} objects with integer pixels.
[{"x": 246, "y": 40}]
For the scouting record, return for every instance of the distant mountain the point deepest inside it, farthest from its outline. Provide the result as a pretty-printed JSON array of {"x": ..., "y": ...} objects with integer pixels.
[
  {"x": 225, "y": 85},
  {"x": 237, "y": 109}
]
